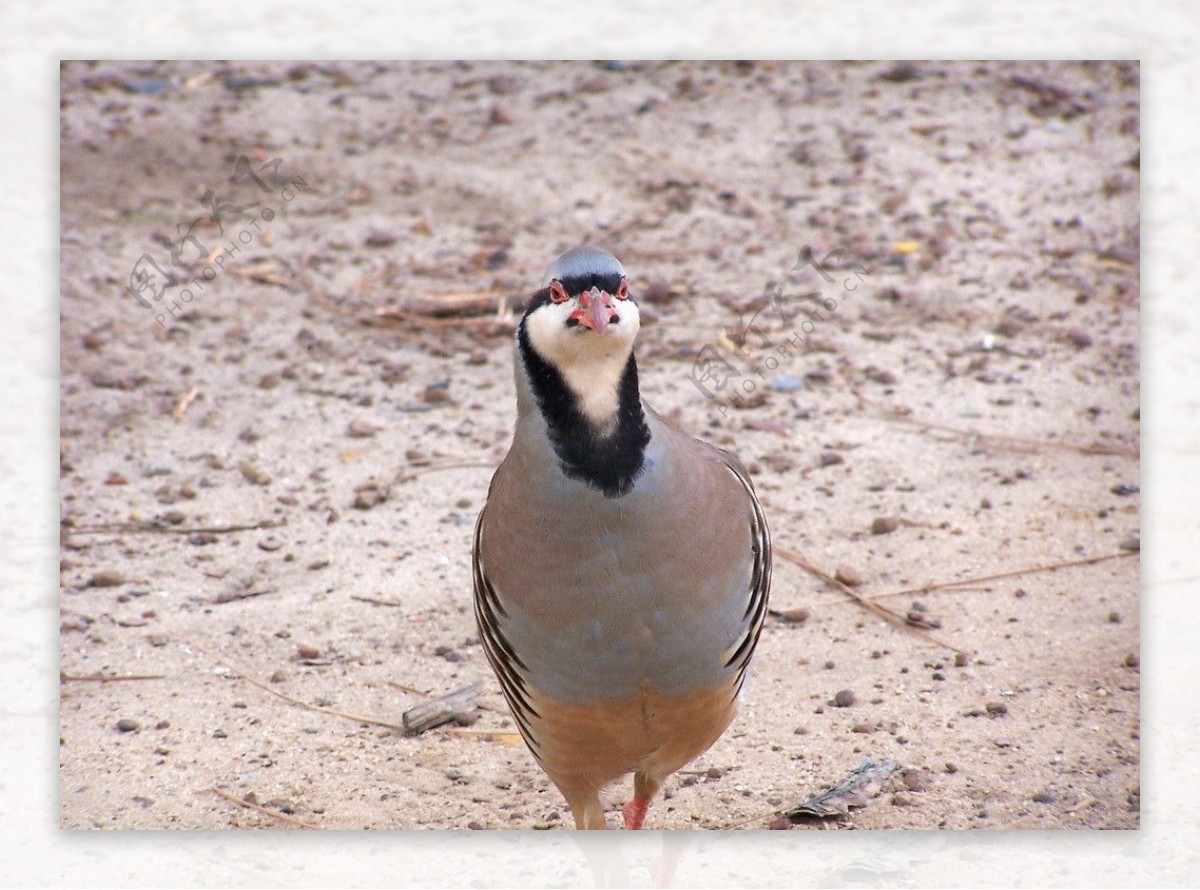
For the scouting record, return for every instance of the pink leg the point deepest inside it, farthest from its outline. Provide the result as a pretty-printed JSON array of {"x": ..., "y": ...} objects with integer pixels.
[{"x": 635, "y": 812}]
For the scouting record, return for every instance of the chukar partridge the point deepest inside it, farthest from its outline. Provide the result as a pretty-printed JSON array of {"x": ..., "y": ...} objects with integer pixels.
[{"x": 621, "y": 566}]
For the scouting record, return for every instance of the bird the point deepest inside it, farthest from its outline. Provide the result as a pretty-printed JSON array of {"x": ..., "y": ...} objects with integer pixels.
[{"x": 621, "y": 567}]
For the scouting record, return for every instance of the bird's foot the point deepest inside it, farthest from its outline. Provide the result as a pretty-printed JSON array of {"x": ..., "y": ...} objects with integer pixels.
[{"x": 635, "y": 813}]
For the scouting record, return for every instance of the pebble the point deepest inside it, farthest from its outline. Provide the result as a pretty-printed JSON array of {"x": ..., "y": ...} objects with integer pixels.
[
  {"x": 786, "y": 383},
  {"x": 883, "y": 525},
  {"x": 780, "y": 823},
  {"x": 844, "y": 699},
  {"x": 436, "y": 394},
  {"x": 1124, "y": 489},
  {"x": 254, "y": 474},
  {"x": 107, "y": 578},
  {"x": 199, "y": 539},
  {"x": 1002, "y": 743},
  {"x": 831, "y": 459},
  {"x": 144, "y": 85},
  {"x": 848, "y": 575},
  {"x": 996, "y": 708},
  {"x": 308, "y": 652},
  {"x": 960, "y": 659},
  {"x": 369, "y": 495},
  {"x": 902, "y": 799},
  {"x": 360, "y": 429},
  {"x": 1133, "y": 543},
  {"x": 271, "y": 543},
  {"x": 1043, "y": 797},
  {"x": 380, "y": 239},
  {"x": 1131, "y": 661},
  {"x": 116, "y": 479},
  {"x": 863, "y": 728},
  {"x": 797, "y": 615},
  {"x": 913, "y": 781},
  {"x": 128, "y": 724},
  {"x": 220, "y": 734}
]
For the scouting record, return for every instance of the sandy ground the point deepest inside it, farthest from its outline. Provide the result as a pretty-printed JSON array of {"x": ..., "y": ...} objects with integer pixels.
[{"x": 268, "y": 484}]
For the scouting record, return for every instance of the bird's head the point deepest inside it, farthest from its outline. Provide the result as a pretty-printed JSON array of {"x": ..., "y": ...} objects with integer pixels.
[
  {"x": 582, "y": 324},
  {"x": 584, "y": 310}
]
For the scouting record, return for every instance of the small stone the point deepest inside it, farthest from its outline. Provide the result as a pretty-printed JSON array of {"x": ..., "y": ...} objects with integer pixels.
[
  {"x": 1131, "y": 660},
  {"x": 786, "y": 383},
  {"x": 831, "y": 459},
  {"x": 883, "y": 525},
  {"x": 1114, "y": 617},
  {"x": 1078, "y": 338},
  {"x": 714, "y": 772},
  {"x": 797, "y": 615},
  {"x": 950, "y": 768},
  {"x": 220, "y": 734},
  {"x": 253, "y": 473},
  {"x": 478, "y": 357},
  {"x": 271, "y": 543},
  {"x": 1124, "y": 489},
  {"x": 844, "y": 699},
  {"x": 902, "y": 799},
  {"x": 380, "y": 239},
  {"x": 107, "y": 578},
  {"x": 437, "y": 394},
  {"x": 278, "y": 676},
  {"x": 780, "y": 823},
  {"x": 829, "y": 665},
  {"x": 960, "y": 659},
  {"x": 848, "y": 575},
  {"x": 863, "y": 728},
  {"x": 474, "y": 826},
  {"x": 1002, "y": 743},
  {"x": 913, "y": 781},
  {"x": 1043, "y": 797},
  {"x": 996, "y": 708},
  {"x": 1133, "y": 543},
  {"x": 360, "y": 429},
  {"x": 128, "y": 724},
  {"x": 115, "y": 478},
  {"x": 308, "y": 652},
  {"x": 880, "y": 376},
  {"x": 542, "y": 826},
  {"x": 199, "y": 539}
]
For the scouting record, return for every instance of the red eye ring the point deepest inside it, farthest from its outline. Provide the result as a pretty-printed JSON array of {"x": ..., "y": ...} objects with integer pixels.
[
  {"x": 623, "y": 290},
  {"x": 558, "y": 293}
]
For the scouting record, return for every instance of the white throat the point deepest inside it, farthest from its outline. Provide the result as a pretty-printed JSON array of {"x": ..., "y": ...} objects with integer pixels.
[{"x": 591, "y": 364}]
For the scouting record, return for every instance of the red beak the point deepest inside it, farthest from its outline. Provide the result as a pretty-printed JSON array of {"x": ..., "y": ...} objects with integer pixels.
[{"x": 595, "y": 310}]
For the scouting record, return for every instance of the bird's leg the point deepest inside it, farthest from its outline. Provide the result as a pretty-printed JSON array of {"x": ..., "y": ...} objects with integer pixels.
[
  {"x": 587, "y": 810},
  {"x": 644, "y": 789}
]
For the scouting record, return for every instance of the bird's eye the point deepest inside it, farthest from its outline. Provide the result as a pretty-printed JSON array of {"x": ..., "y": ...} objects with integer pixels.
[
  {"x": 558, "y": 293},
  {"x": 623, "y": 290}
]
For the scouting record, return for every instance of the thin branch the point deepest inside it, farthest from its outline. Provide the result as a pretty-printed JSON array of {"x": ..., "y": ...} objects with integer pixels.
[
  {"x": 151, "y": 527},
  {"x": 999, "y": 441},
  {"x": 333, "y": 712},
  {"x": 266, "y": 811},
  {"x": 106, "y": 678},
  {"x": 887, "y": 614},
  {"x": 982, "y": 579}
]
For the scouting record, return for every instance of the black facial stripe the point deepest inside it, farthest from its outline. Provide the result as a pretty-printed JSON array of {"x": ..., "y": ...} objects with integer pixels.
[{"x": 610, "y": 463}]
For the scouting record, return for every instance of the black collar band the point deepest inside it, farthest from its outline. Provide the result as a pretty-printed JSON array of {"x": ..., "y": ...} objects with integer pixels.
[{"x": 610, "y": 463}]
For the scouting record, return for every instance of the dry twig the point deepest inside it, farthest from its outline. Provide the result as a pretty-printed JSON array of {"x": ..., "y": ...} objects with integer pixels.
[{"x": 266, "y": 811}]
